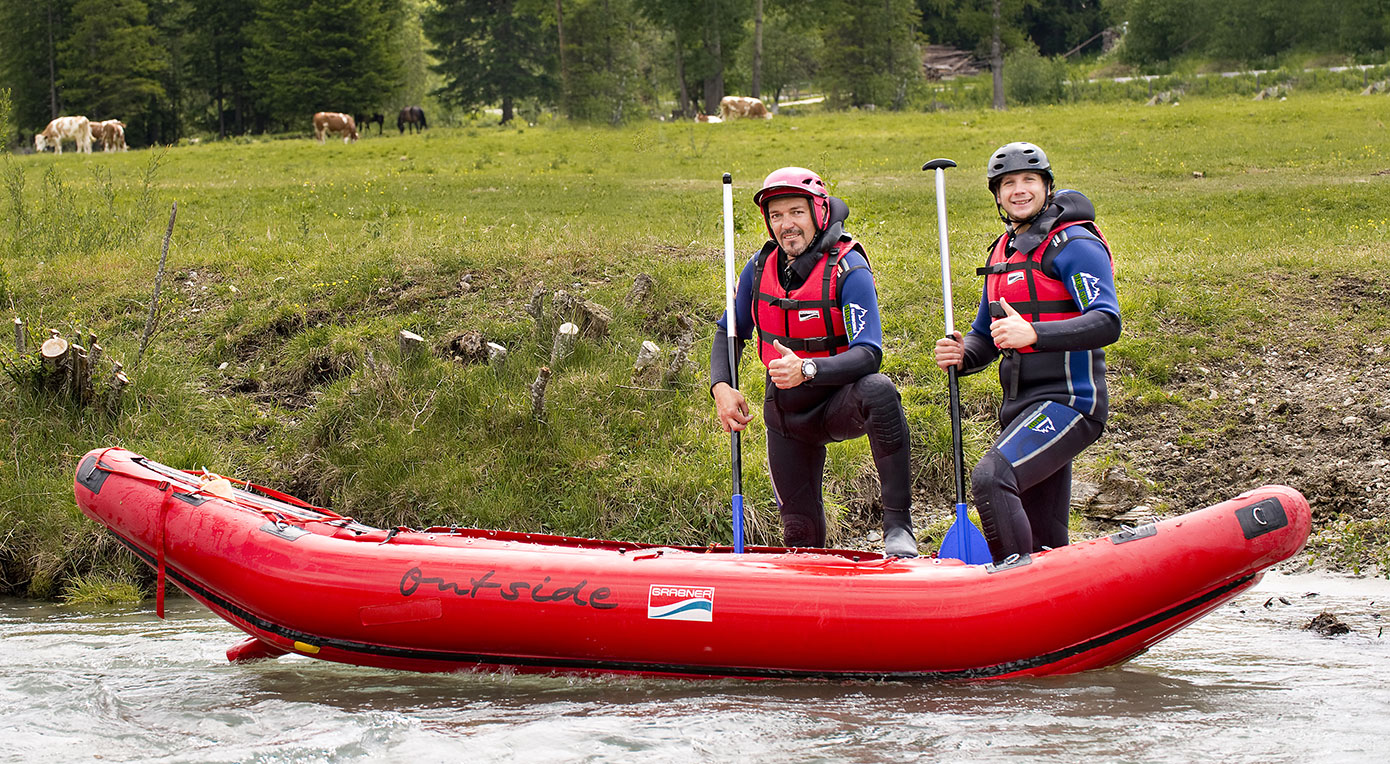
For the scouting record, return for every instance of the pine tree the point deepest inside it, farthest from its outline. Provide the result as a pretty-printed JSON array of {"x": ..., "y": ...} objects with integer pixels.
[
  {"x": 322, "y": 55},
  {"x": 111, "y": 66},
  {"x": 491, "y": 51}
]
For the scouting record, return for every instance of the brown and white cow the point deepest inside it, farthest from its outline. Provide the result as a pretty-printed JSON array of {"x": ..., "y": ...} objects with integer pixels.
[
  {"x": 708, "y": 118},
  {"x": 76, "y": 129},
  {"x": 337, "y": 123},
  {"x": 732, "y": 107},
  {"x": 111, "y": 133}
]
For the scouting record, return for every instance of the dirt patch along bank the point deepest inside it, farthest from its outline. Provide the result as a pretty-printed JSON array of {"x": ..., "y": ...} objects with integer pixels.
[{"x": 1314, "y": 415}]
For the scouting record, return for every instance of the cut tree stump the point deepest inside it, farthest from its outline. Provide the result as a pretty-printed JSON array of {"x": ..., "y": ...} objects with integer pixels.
[
  {"x": 563, "y": 344},
  {"x": 645, "y": 365},
  {"x": 19, "y": 337},
  {"x": 592, "y": 318},
  {"x": 538, "y": 393},
  {"x": 642, "y": 288},
  {"x": 496, "y": 354},
  {"x": 681, "y": 354},
  {"x": 411, "y": 343}
]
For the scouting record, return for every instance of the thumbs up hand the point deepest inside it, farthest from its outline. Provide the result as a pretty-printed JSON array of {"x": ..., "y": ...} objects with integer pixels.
[
  {"x": 785, "y": 371},
  {"x": 1012, "y": 331}
]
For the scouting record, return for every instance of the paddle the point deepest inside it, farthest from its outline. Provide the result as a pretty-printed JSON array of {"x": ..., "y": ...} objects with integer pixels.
[
  {"x": 732, "y": 331},
  {"x": 963, "y": 540}
]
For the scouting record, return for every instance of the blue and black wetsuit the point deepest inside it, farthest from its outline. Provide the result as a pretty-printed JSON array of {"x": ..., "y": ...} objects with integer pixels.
[{"x": 1055, "y": 399}]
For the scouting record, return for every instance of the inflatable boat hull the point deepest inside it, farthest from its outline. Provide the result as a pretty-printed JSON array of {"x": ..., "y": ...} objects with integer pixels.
[{"x": 300, "y": 579}]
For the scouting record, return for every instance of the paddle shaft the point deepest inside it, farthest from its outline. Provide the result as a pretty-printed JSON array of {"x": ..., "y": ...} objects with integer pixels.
[
  {"x": 731, "y": 330},
  {"x": 940, "y": 165}
]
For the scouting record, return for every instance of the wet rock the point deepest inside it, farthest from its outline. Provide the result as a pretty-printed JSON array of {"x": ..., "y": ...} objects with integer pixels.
[{"x": 1328, "y": 625}]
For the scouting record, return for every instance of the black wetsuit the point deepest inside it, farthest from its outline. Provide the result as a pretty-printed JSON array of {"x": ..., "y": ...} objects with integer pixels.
[{"x": 846, "y": 399}]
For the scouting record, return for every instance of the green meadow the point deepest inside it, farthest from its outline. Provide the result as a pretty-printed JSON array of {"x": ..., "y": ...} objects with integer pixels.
[{"x": 294, "y": 265}]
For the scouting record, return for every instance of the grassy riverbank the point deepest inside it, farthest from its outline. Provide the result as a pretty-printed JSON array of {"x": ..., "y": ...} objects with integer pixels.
[{"x": 1240, "y": 228}]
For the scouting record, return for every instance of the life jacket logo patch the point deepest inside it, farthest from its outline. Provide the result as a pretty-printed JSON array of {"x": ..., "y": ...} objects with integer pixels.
[
  {"x": 854, "y": 319},
  {"x": 1087, "y": 288},
  {"x": 1014, "y": 278},
  {"x": 1041, "y": 423},
  {"x": 680, "y": 603},
  {"x": 808, "y": 315}
]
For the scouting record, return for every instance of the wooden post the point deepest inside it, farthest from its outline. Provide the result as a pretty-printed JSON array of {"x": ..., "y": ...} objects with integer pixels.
[
  {"x": 538, "y": 393},
  {"x": 563, "y": 345},
  {"x": 96, "y": 353},
  {"x": 646, "y": 360},
  {"x": 496, "y": 355},
  {"x": 19, "y": 337},
  {"x": 411, "y": 343}
]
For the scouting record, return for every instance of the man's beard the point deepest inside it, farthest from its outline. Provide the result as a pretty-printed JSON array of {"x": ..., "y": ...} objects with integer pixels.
[{"x": 801, "y": 236}]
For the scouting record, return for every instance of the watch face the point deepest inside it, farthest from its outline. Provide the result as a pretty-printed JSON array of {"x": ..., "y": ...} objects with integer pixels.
[{"x": 808, "y": 369}]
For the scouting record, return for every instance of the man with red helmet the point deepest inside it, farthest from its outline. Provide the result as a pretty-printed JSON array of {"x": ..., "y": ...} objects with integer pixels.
[
  {"x": 808, "y": 299},
  {"x": 1049, "y": 308}
]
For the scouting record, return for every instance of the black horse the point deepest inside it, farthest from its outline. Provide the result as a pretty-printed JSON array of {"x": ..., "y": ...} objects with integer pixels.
[
  {"x": 364, "y": 119},
  {"x": 411, "y": 115}
]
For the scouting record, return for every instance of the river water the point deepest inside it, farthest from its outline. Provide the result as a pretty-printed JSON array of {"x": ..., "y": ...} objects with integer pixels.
[{"x": 1246, "y": 684}]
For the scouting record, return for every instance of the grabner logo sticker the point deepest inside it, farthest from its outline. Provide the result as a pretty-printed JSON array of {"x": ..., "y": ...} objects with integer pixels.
[
  {"x": 808, "y": 315},
  {"x": 680, "y": 603}
]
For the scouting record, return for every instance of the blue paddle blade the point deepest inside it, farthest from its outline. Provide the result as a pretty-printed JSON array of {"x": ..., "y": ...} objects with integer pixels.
[{"x": 964, "y": 541}]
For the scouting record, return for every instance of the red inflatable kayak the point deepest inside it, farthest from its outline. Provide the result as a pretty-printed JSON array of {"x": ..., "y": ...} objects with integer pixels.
[{"x": 302, "y": 579}]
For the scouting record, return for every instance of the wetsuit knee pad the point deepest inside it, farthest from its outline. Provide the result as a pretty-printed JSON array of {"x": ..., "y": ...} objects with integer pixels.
[
  {"x": 884, "y": 408},
  {"x": 800, "y": 530},
  {"x": 992, "y": 473}
]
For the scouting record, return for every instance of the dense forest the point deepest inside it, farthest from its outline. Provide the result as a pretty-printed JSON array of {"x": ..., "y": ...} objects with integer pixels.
[{"x": 176, "y": 68}]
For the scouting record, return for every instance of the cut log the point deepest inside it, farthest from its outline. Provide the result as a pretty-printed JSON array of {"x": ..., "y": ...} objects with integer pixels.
[
  {"x": 538, "y": 393},
  {"x": 19, "y": 337},
  {"x": 563, "y": 344},
  {"x": 411, "y": 343}
]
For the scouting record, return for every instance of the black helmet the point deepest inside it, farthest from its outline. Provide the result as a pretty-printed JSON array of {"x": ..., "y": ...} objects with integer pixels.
[{"x": 1016, "y": 157}]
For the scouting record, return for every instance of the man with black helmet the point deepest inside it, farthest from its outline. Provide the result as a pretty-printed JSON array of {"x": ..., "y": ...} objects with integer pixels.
[
  {"x": 808, "y": 299},
  {"x": 1048, "y": 307}
]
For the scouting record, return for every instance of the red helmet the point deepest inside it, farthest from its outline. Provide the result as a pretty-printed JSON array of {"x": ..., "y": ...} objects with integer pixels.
[{"x": 796, "y": 181}]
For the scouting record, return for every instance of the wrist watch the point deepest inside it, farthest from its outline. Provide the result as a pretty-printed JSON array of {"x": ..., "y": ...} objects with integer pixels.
[{"x": 808, "y": 369}]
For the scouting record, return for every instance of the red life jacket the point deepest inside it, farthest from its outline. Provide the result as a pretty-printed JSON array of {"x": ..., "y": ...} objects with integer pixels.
[
  {"x": 807, "y": 319},
  {"x": 1022, "y": 279}
]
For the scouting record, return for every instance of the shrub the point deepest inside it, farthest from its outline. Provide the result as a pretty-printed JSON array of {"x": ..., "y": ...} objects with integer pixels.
[{"x": 1030, "y": 78}]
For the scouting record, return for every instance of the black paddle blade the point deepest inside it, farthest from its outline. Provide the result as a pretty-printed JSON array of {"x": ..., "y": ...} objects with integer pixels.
[{"x": 938, "y": 164}]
